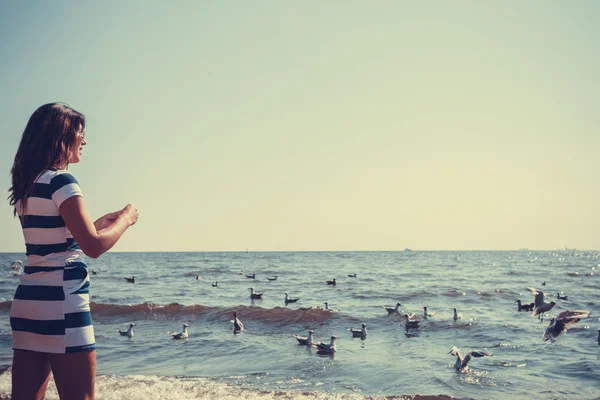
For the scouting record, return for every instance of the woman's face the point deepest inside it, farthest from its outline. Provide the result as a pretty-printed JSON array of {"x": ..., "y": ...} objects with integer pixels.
[{"x": 76, "y": 150}]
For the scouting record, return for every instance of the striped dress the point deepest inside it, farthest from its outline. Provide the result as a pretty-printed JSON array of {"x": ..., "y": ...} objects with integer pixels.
[{"x": 50, "y": 311}]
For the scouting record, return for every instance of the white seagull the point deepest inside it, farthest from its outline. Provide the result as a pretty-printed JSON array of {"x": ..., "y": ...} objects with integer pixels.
[
  {"x": 237, "y": 324},
  {"x": 254, "y": 295},
  {"x": 308, "y": 341},
  {"x": 391, "y": 309},
  {"x": 290, "y": 300},
  {"x": 326, "y": 348},
  {"x": 461, "y": 362},
  {"x": 182, "y": 335},
  {"x": 361, "y": 333},
  {"x": 128, "y": 332}
]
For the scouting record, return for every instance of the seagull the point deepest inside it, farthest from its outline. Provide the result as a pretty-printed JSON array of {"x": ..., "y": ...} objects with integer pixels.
[
  {"x": 289, "y": 299},
  {"x": 540, "y": 306},
  {"x": 326, "y": 348},
  {"x": 253, "y": 276},
  {"x": 352, "y": 275},
  {"x": 426, "y": 313},
  {"x": 182, "y": 335},
  {"x": 130, "y": 280},
  {"x": 273, "y": 278},
  {"x": 17, "y": 265},
  {"x": 216, "y": 284},
  {"x": 562, "y": 297},
  {"x": 462, "y": 362},
  {"x": 237, "y": 324},
  {"x": 361, "y": 333},
  {"x": 456, "y": 316},
  {"x": 391, "y": 309},
  {"x": 411, "y": 324},
  {"x": 240, "y": 273},
  {"x": 255, "y": 295},
  {"x": 524, "y": 307},
  {"x": 559, "y": 324},
  {"x": 331, "y": 282},
  {"x": 327, "y": 308},
  {"x": 305, "y": 340},
  {"x": 128, "y": 332}
]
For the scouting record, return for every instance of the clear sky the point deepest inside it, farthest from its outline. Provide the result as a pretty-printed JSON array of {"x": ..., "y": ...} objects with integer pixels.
[{"x": 319, "y": 125}]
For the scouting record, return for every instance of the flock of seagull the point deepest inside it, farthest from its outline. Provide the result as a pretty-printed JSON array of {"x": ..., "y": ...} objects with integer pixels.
[{"x": 538, "y": 307}]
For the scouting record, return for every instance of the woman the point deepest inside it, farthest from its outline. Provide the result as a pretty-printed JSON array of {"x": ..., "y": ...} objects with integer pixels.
[{"x": 50, "y": 314}]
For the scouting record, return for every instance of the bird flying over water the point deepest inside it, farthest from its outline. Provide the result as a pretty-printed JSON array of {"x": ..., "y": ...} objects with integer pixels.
[
  {"x": 182, "y": 335},
  {"x": 307, "y": 341},
  {"x": 566, "y": 318},
  {"x": 461, "y": 362},
  {"x": 128, "y": 332}
]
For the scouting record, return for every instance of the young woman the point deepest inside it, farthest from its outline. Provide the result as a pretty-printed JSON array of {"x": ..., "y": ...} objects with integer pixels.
[{"x": 50, "y": 314}]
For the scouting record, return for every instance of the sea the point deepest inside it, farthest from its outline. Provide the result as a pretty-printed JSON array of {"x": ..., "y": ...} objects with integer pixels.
[{"x": 266, "y": 362}]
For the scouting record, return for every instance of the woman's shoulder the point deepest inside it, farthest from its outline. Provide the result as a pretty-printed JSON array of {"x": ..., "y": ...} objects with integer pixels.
[{"x": 57, "y": 177}]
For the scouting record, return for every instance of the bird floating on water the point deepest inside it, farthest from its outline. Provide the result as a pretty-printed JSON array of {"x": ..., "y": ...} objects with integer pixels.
[
  {"x": 289, "y": 299},
  {"x": 327, "y": 308},
  {"x": 411, "y": 323},
  {"x": 240, "y": 273},
  {"x": 255, "y": 295},
  {"x": 566, "y": 318},
  {"x": 331, "y": 282},
  {"x": 598, "y": 336},
  {"x": 461, "y": 362},
  {"x": 524, "y": 307},
  {"x": 392, "y": 309},
  {"x": 325, "y": 348},
  {"x": 237, "y": 324},
  {"x": 182, "y": 335},
  {"x": 216, "y": 284},
  {"x": 307, "y": 341},
  {"x": 456, "y": 315},
  {"x": 562, "y": 297},
  {"x": 361, "y": 333},
  {"x": 273, "y": 278},
  {"x": 130, "y": 280},
  {"x": 352, "y": 275},
  {"x": 427, "y": 313},
  {"x": 253, "y": 276},
  {"x": 128, "y": 332}
]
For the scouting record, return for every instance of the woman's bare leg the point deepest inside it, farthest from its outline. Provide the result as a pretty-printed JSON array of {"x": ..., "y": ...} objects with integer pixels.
[
  {"x": 30, "y": 375},
  {"x": 74, "y": 375}
]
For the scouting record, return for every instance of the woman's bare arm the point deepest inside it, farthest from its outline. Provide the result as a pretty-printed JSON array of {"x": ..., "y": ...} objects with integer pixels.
[{"x": 94, "y": 242}]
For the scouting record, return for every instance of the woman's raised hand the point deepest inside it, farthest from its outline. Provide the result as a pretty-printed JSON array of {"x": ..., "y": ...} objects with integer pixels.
[{"x": 130, "y": 213}]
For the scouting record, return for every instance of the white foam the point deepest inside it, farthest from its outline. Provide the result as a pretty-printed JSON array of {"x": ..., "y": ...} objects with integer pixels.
[{"x": 142, "y": 387}]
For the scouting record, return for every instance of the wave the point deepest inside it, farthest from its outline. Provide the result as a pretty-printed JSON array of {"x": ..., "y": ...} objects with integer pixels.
[
  {"x": 150, "y": 387},
  {"x": 277, "y": 315}
]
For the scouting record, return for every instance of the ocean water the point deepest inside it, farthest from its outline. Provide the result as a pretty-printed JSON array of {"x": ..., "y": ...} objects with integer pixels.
[{"x": 265, "y": 362}]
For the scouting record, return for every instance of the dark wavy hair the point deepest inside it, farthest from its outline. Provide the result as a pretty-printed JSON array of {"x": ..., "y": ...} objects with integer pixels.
[{"x": 45, "y": 144}]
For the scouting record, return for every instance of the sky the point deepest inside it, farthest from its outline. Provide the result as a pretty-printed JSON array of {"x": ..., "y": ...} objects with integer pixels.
[{"x": 319, "y": 125}]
